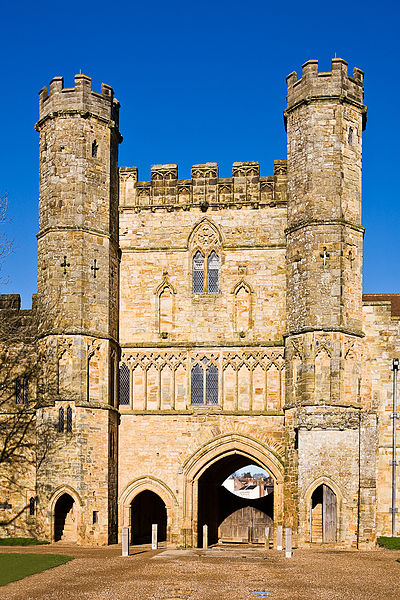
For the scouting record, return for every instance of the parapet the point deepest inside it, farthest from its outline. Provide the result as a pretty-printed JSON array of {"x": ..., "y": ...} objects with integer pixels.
[
  {"x": 205, "y": 189},
  {"x": 315, "y": 85},
  {"x": 79, "y": 99}
]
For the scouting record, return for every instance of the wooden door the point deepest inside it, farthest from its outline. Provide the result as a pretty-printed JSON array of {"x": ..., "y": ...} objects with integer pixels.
[
  {"x": 329, "y": 515},
  {"x": 246, "y": 525}
]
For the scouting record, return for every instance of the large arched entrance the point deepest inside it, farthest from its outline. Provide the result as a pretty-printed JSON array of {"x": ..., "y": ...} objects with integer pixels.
[
  {"x": 65, "y": 525},
  {"x": 231, "y": 517},
  {"x": 147, "y": 508}
]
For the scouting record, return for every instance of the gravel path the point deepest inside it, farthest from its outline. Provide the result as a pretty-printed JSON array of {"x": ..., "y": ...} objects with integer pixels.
[{"x": 231, "y": 574}]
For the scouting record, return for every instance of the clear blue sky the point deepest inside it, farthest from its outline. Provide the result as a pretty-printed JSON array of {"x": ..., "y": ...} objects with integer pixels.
[{"x": 198, "y": 81}]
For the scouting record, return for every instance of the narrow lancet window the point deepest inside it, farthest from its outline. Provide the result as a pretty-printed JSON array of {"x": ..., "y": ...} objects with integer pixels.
[
  {"x": 197, "y": 385},
  {"x": 69, "y": 419},
  {"x": 18, "y": 391},
  {"x": 61, "y": 420},
  {"x": 350, "y": 136},
  {"x": 213, "y": 273},
  {"x": 212, "y": 385},
  {"x": 124, "y": 385},
  {"x": 31, "y": 507},
  {"x": 95, "y": 148},
  {"x": 198, "y": 273},
  {"x": 25, "y": 390}
]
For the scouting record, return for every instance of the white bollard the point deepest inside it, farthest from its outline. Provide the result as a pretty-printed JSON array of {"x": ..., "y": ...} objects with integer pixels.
[
  {"x": 154, "y": 544},
  {"x": 205, "y": 536},
  {"x": 288, "y": 544},
  {"x": 125, "y": 541},
  {"x": 267, "y": 538},
  {"x": 279, "y": 541}
]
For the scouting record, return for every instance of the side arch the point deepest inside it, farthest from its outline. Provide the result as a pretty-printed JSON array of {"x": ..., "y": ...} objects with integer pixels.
[
  {"x": 58, "y": 492},
  {"x": 147, "y": 483},
  {"x": 305, "y": 506}
]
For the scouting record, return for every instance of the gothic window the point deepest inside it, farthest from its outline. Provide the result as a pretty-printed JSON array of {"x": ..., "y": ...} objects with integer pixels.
[
  {"x": 212, "y": 385},
  {"x": 213, "y": 273},
  {"x": 350, "y": 136},
  {"x": 25, "y": 386},
  {"x": 197, "y": 385},
  {"x": 69, "y": 419},
  {"x": 165, "y": 310},
  {"x": 22, "y": 390},
  {"x": 61, "y": 420},
  {"x": 198, "y": 273},
  {"x": 124, "y": 385},
  {"x": 204, "y": 383},
  {"x": 18, "y": 392},
  {"x": 31, "y": 507},
  {"x": 95, "y": 148},
  {"x": 112, "y": 381}
]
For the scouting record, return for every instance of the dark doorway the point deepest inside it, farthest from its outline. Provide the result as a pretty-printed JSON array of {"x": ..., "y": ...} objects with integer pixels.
[
  {"x": 64, "y": 519},
  {"x": 323, "y": 515},
  {"x": 147, "y": 508},
  {"x": 229, "y": 516}
]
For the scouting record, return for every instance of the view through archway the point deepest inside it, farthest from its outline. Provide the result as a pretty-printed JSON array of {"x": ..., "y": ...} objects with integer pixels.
[
  {"x": 147, "y": 508},
  {"x": 235, "y": 501}
]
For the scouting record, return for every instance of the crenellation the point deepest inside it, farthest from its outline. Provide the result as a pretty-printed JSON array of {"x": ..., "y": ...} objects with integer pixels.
[{"x": 205, "y": 189}]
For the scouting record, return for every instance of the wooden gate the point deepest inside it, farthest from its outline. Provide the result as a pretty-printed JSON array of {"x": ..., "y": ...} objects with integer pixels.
[
  {"x": 329, "y": 511},
  {"x": 246, "y": 525}
]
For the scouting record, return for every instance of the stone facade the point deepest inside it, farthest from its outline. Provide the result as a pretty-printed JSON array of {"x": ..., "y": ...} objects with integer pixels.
[{"x": 185, "y": 328}]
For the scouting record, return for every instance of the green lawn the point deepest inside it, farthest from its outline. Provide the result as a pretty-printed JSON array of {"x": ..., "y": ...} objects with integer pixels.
[
  {"x": 21, "y": 541},
  {"x": 15, "y": 566},
  {"x": 391, "y": 543}
]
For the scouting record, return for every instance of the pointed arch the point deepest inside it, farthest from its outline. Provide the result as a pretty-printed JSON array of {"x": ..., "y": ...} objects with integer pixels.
[
  {"x": 322, "y": 375},
  {"x": 243, "y": 306},
  {"x": 165, "y": 293},
  {"x": 205, "y": 234}
]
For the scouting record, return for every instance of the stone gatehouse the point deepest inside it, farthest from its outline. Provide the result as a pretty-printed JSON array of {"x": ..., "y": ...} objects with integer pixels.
[{"x": 183, "y": 329}]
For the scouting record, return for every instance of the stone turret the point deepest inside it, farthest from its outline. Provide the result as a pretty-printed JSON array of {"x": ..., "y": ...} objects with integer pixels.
[
  {"x": 325, "y": 117},
  {"x": 78, "y": 290}
]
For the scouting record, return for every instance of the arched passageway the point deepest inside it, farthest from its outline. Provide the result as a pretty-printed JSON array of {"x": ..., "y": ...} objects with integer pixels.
[
  {"x": 147, "y": 508},
  {"x": 323, "y": 515},
  {"x": 65, "y": 519},
  {"x": 231, "y": 518}
]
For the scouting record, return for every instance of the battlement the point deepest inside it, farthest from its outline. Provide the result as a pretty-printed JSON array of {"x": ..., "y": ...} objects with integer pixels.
[
  {"x": 81, "y": 99},
  {"x": 314, "y": 84},
  {"x": 205, "y": 188}
]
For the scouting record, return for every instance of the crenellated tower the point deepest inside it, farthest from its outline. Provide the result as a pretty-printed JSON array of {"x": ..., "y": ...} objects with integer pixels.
[
  {"x": 78, "y": 282},
  {"x": 325, "y": 117}
]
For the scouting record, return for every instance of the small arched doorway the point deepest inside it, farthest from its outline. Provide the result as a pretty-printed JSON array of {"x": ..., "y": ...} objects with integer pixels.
[
  {"x": 323, "y": 515},
  {"x": 147, "y": 508},
  {"x": 65, "y": 526}
]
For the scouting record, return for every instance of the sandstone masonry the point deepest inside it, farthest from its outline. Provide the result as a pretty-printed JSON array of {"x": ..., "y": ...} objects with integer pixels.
[{"x": 186, "y": 328}]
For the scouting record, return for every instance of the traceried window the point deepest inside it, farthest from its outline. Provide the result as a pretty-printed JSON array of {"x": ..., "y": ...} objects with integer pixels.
[
  {"x": 213, "y": 273},
  {"x": 61, "y": 420},
  {"x": 206, "y": 273},
  {"x": 197, "y": 385},
  {"x": 212, "y": 385},
  {"x": 124, "y": 385},
  {"x": 198, "y": 273},
  {"x": 204, "y": 383}
]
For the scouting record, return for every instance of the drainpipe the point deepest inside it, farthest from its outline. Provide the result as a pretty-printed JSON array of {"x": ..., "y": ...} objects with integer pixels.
[{"x": 395, "y": 368}]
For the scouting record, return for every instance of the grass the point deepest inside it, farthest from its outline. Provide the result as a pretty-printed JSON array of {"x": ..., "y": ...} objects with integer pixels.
[
  {"x": 15, "y": 566},
  {"x": 21, "y": 541},
  {"x": 391, "y": 543}
]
